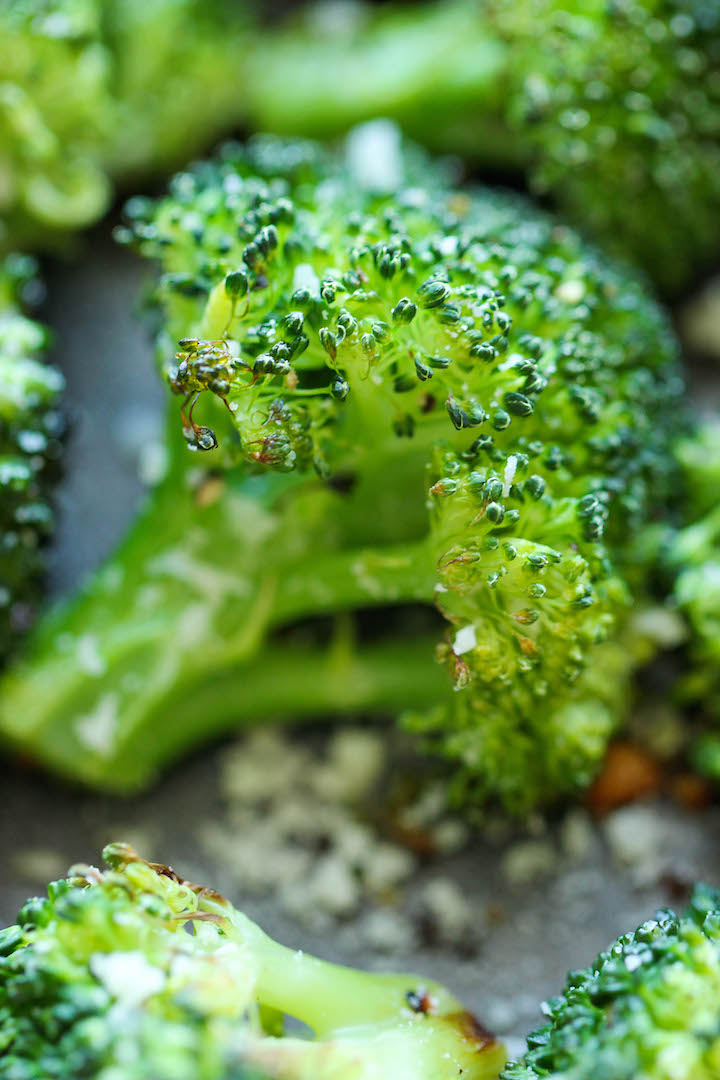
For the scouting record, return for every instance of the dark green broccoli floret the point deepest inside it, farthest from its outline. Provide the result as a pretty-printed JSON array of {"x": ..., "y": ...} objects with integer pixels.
[
  {"x": 30, "y": 425},
  {"x": 421, "y": 396},
  {"x": 611, "y": 107},
  {"x": 100, "y": 980},
  {"x": 647, "y": 1007}
]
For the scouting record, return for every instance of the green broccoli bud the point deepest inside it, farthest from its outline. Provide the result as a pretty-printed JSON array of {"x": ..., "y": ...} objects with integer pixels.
[
  {"x": 619, "y": 108},
  {"x": 506, "y": 483},
  {"x": 101, "y": 979},
  {"x": 647, "y": 1006},
  {"x": 30, "y": 427}
]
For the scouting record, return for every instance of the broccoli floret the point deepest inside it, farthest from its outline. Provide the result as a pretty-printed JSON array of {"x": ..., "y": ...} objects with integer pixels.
[
  {"x": 54, "y": 108},
  {"x": 95, "y": 91},
  {"x": 694, "y": 560},
  {"x": 421, "y": 395},
  {"x": 647, "y": 1007},
  {"x": 30, "y": 425},
  {"x": 101, "y": 980},
  {"x": 610, "y": 108}
]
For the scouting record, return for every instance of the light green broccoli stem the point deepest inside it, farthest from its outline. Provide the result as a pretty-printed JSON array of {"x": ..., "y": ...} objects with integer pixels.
[
  {"x": 383, "y": 1033},
  {"x": 436, "y": 59},
  {"x": 168, "y": 644}
]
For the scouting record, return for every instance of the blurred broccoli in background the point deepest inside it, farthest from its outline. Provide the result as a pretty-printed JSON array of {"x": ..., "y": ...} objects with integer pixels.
[
  {"x": 101, "y": 980},
  {"x": 54, "y": 113},
  {"x": 95, "y": 91},
  {"x": 422, "y": 395},
  {"x": 694, "y": 559},
  {"x": 610, "y": 107},
  {"x": 649, "y": 1006},
  {"x": 30, "y": 426}
]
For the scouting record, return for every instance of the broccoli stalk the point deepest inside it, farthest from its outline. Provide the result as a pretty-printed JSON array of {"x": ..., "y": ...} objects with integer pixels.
[
  {"x": 648, "y": 1006},
  {"x": 420, "y": 395},
  {"x": 99, "y": 979},
  {"x": 29, "y": 428},
  {"x": 604, "y": 106},
  {"x": 169, "y": 630}
]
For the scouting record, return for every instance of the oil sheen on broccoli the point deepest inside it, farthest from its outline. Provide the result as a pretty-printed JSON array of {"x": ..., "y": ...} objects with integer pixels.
[
  {"x": 649, "y": 1006},
  {"x": 430, "y": 397},
  {"x": 101, "y": 980},
  {"x": 611, "y": 108},
  {"x": 30, "y": 424}
]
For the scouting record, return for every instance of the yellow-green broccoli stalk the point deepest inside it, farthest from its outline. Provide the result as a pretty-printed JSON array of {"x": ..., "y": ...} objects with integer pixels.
[
  {"x": 101, "y": 980},
  {"x": 610, "y": 107},
  {"x": 422, "y": 396},
  {"x": 649, "y": 1006},
  {"x": 30, "y": 425}
]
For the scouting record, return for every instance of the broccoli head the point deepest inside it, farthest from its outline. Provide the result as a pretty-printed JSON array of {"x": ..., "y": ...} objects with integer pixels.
[
  {"x": 421, "y": 395},
  {"x": 647, "y": 1007},
  {"x": 102, "y": 979},
  {"x": 30, "y": 424},
  {"x": 605, "y": 106}
]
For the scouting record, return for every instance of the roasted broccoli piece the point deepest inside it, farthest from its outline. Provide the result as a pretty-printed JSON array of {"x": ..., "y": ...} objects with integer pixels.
[
  {"x": 694, "y": 559},
  {"x": 54, "y": 111},
  {"x": 421, "y": 395},
  {"x": 30, "y": 426},
  {"x": 102, "y": 980},
  {"x": 647, "y": 1007},
  {"x": 610, "y": 107},
  {"x": 95, "y": 91}
]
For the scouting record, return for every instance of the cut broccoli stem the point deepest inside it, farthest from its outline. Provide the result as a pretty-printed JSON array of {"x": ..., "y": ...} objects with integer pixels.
[
  {"x": 114, "y": 682},
  {"x": 100, "y": 978},
  {"x": 435, "y": 58},
  {"x": 282, "y": 683},
  {"x": 318, "y": 992}
]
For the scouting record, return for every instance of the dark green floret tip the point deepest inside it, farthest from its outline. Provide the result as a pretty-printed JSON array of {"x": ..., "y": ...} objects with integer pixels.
[
  {"x": 30, "y": 430},
  {"x": 648, "y": 1005}
]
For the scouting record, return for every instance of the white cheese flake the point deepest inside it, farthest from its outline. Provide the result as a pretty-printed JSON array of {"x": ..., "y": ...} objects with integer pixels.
[
  {"x": 465, "y": 640},
  {"x": 128, "y": 976}
]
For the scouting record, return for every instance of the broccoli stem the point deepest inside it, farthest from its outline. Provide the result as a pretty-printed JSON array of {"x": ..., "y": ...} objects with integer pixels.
[
  {"x": 440, "y": 70},
  {"x": 174, "y": 629},
  {"x": 299, "y": 682},
  {"x": 436, "y": 1039}
]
